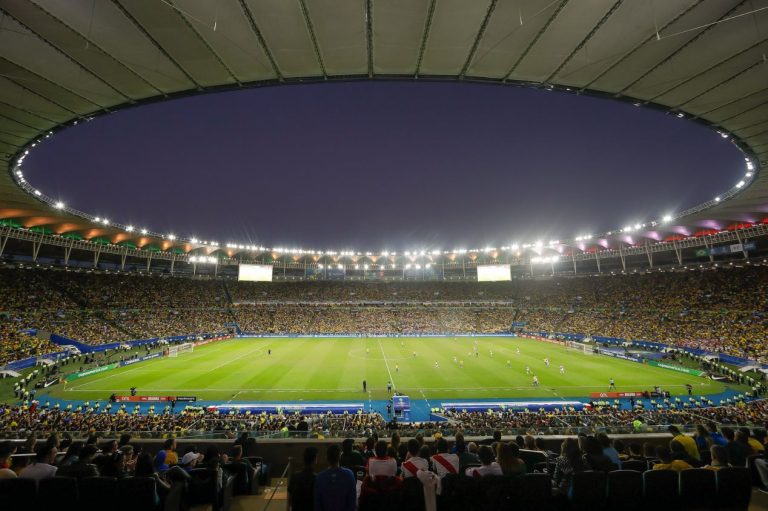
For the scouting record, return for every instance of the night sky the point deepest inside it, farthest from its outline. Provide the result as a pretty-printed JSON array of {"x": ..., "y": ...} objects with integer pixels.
[{"x": 374, "y": 166}]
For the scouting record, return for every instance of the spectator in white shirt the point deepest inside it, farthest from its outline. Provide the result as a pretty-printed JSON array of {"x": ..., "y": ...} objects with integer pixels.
[
  {"x": 443, "y": 462},
  {"x": 413, "y": 463},
  {"x": 488, "y": 467},
  {"x": 381, "y": 465},
  {"x": 43, "y": 467}
]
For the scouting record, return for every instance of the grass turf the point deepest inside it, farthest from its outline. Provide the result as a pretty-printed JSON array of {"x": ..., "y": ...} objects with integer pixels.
[{"x": 241, "y": 370}]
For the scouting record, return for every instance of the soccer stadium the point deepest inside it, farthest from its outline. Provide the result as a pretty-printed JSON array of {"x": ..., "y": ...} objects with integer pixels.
[{"x": 623, "y": 369}]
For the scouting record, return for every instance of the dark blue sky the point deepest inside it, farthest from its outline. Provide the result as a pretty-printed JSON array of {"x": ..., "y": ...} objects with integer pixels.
[{"x": 375, "y": 165}]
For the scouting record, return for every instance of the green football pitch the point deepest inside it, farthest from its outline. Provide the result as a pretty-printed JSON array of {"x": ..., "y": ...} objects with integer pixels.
[{"x": 316, "y": 369}]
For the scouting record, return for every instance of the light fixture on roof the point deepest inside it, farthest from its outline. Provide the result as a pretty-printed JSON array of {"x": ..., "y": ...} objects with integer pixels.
[
  {"x": 171, "y": 237},
  {"x": 194, "y": 240},
  {"x": 740, "y": 184},
  {"x": 637, "y": 226},
  {"x": 143, "y": 231},
  {"x": 717, "y": 199},
  {"x": 59, "y": 205},
  {"x": 129, "y": 228},
  {"x": 666, "y": 218},
  {"x": 37, "y": 192}
]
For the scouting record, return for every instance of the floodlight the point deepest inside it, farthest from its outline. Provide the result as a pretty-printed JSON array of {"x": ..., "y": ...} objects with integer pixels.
[
  {"x": 37, "y": 192},
  {"x": 171, "y": 237},
  {"x": 143, "y": 231},
  {"x": 740, "y": 184},
  {"x": 59, "y": 205},
  {"x": 637, "y": 226},
  {"x": 129, "y": 228},
  {"x": 667, "y": 218}
]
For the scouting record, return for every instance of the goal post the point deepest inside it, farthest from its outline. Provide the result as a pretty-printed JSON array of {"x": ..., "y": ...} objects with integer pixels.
[
  {"x": 579, "y": 346},
  {"x": 175, "y": 350}
]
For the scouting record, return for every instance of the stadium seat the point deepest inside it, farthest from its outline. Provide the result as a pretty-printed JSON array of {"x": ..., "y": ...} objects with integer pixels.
[
  {"x": 536, "y": 492},
  {"x": 17, "y": 493},
  {"x": 639, "y": 465},
  {"x": 55, "y": 490},
  {"x": 202, "y": 488},
  {"x": 625, "y": 490},
  {"x": 753, "y": 473},
  {"x": 458, "y": 493},
  {"x": 588, "y": 491},
  {"x": 381, "y": 494},
  {"x": 95, "y": 491},
  {"x": 227, "y": 494},
  {"x": 412, "y": 495},
  {"x": 137, "y": 493},
  {"x": 698, "y": 489},
  {"x": 531, "y": 458},
  {"x": 498, "y": 492},
  {"x": 734, "y": 488},
  {"x": 243, "y": 477},
  {"x": 661, "y": 489}
]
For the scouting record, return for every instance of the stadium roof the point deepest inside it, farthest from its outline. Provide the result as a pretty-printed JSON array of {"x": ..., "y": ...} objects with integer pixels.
[{"x": 65, "y": 62}]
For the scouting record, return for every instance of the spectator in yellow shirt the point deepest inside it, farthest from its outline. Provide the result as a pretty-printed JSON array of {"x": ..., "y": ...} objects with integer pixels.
[
  {"x": 667, "y": 463},
  {"x": 687, "y": 442}
]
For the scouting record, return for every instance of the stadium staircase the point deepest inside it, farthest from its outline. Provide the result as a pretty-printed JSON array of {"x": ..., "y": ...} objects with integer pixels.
[{"x": 230, "y": 310}]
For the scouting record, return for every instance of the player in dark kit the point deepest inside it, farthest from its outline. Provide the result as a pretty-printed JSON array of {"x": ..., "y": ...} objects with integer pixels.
[{"x": 365, "y": 386}]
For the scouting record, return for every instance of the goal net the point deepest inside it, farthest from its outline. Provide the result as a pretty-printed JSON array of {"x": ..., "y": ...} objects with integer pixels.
[
  {"x": 174, "y": 351},
  {"x": 579, "y": 346}
]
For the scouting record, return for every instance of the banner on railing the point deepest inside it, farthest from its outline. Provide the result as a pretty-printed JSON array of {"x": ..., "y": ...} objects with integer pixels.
[
  {"x": 673, "y": 367},
  {"x": 614, "y": 395},
  {"x": 89, "y": 372}
]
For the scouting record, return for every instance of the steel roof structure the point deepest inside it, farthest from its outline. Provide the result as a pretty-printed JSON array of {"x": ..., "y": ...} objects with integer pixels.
[{"x": 64, "y": 62}]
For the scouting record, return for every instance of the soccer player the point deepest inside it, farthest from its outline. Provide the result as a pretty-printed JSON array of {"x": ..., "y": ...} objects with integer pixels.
[
  {"x": 365, "y": 386},
  {"x": 397, "y": 368},
  {"x": 527, "y": 370},
  {"x": 612, "y": 384},
  {"x": 437, "y": 365},
  {"x": 461, "y": 364},
  {"x": 546, "y": 361},
  {"x": 535, "y": 381},
  {"x": 455, "y": 359},
  {"x": 491, "y": 353},
  {"x": 518, "y": 349},
  {"x": 389, "y": 387},
  {"x": 509, "y": 364},
  {"x": 562, "y": 369},
  {"x": 414, "y": 354},
  {"x": 367, "y": 351}
]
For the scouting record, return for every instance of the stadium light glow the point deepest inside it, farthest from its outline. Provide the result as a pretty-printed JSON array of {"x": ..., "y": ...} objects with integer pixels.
[
  {"x": 408, "y": 266},
  {"x": 428, "y": 266},
  {"x": 105, "y": 221},
  {"x": 171, "y": 237},
  {"x": 638, "y": 226},
  {"x": 545, "y": 259},
  {"x": 365, "y": 266},
  {"x": 740, "y": 184},
  {"x": 539, "y": 244},
  {"x": 143, "y": 231},
  {"x": 129, "y": 228},
  {"x": 717, "y": 199},
  {"x": 193, "y": 240},
  {"x": 320, "y": 266},
  {"x": 37, "y": 192},
  {"x": 666, "y": 218},
  {"x": 203, "y": 260},
  {"x": 340, "y": 266},
  {"x": 59, "y": 205},
  {"x": 417, "y": 266}
]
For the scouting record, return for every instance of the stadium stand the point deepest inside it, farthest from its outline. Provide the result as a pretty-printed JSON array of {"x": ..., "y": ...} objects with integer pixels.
[{"x": 719, "y": 310}]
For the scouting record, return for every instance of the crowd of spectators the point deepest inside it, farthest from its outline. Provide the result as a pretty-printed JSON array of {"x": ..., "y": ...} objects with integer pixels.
[
  {"x": 719, "y": 310},
  {"x": 108, "y": 418}
]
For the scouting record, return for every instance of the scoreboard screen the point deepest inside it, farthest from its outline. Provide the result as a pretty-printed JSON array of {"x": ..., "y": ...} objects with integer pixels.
[
  {"x": 255, "y": 272},
  {"x": 494, "y": 272}
]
